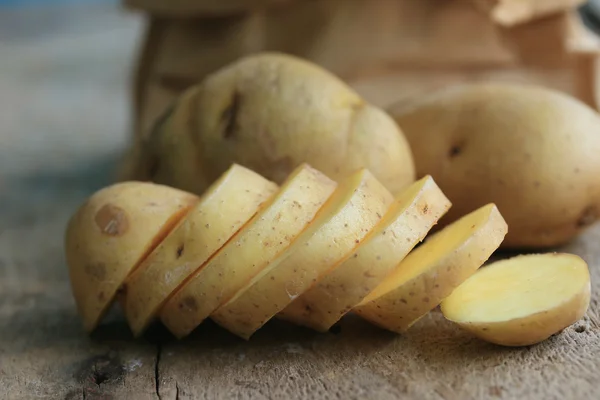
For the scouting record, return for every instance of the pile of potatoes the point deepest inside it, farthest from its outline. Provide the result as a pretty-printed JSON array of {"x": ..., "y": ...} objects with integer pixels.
[
  {"x": 271, "y": 189},
  {"x": 531, "y": 151},
  {"x": 309, "y": 252}
]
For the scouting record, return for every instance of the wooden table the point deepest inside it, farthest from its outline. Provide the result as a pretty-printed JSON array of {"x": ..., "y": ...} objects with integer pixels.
[{"x": 63, "y": 124}]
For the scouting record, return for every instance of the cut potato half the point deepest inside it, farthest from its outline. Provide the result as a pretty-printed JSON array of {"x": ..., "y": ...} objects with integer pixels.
[
  {"x": 523, "y": 300},
  {"x": 432, "y": 271},
  {"x": 225, "y": 207},
  {"x": 356, "y": 207},
  {"x": 414, "y": 213},
  {"x": 259, "y": 242},
  {"x": 111, "y": 233}
]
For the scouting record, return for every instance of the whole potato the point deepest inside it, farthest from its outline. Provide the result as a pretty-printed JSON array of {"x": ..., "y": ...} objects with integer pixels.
[
  {"x": 272, "y": 112},
  {"x": 532, "y": 151}
]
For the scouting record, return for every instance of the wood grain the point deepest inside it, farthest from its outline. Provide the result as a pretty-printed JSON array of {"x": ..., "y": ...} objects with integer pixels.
[{"x": 63, "y": 123}]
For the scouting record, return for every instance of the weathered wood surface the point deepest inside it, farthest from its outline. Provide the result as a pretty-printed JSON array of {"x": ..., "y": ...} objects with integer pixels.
[{"x": 63, "y": 123}]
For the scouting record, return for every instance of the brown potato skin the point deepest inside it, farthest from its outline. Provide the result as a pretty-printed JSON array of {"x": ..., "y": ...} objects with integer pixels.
[
  {"x": 532, "y": 151},
  {"x": 272, "y": 112},
  {"x": 535, "y": 328}
]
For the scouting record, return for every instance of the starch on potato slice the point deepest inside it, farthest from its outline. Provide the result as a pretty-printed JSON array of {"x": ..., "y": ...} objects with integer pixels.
[
  {"x": 111, "y": 234},
  {"x": 262, "y": 239},
  {"x": 522, "y": 300},
  {"x": 415, "y": 211},
  {"x": 432, "y": 271},
  {"x": 356, "y": 206},
  {"x": 222, "y": 210}
]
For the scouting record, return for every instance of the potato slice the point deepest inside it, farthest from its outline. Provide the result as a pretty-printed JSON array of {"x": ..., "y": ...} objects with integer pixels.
[
  {"x": 432, "y": 271},
  {"x": 111, "y": 233},
  {"x": 523, "y": 300},
  {"x": 227, "y": 205},
  {"x": 415, "y": 211},
  {"x": 260, "y": 241},
  {"x": 355, "y": 208}
]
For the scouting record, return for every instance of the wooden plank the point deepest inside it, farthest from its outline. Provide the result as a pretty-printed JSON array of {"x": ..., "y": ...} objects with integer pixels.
[{"x": 433, "y": 360}]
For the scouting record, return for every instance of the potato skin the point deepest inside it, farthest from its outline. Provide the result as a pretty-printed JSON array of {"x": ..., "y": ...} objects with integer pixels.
[
  {"x": 111, "y": 233},
  {"x": 532, "y": 151},
  {"x": 532, "y": 329},
  {"x": 272, "y": 112}
]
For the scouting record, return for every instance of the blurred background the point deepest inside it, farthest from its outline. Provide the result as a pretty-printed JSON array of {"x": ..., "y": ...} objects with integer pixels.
[
  {"x": 65, "y": 67},
  {"x": 79, "y": 79}
]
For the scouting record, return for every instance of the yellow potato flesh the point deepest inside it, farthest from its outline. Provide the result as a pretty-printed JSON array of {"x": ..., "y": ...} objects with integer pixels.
[
  {"x": 355, "y": 208},
  {"x": 522, "y": 300},
  {"x": 413, "y": 214},
  {"x": 432, "y": 271},
  {"x": 227, "y": 205},
  {"x": 260, "y": 241},
  {"x": 111, "y": 233}
]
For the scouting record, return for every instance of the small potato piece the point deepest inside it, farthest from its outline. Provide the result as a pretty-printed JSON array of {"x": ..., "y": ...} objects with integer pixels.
[
  {"x": 111, "y": 234},
  {"x": 227, "y": 205},
  {"x": 271, "y": 112},
  {"x": 523, "y": 300},
  {"x": 262, "y": 239},
  {"x": 531, "y": 151},
  {"x": 407, "y": 222},
  {"x": 354, "y": 209},
  {"x": 432, "y": 271}
]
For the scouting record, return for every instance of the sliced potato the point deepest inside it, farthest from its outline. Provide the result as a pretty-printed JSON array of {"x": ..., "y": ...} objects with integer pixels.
[
  {"x": 523, "y": 300},
  {"x": 413, "y": 214},
  {"x": 355, "y": 208},
  {"x": 227, "y": 205},
  {"x": 260, "y": 241},
  {"x": 432, "y": 271},
  {"x": 111, "y": 233}
]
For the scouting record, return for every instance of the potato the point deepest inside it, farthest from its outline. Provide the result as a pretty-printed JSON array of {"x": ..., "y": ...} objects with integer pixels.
[
  {"x": 111, "y": 233},
  {"x": 523, "y": 300},
  {"x": 532, "y": 151},
  {"x": 267, "y": 234},
  {"x": 226, "y": 206},
  {"x": 432, "y": 271},
  {"x": 354, "y": 209},
  {"x": 413, "y": 214},
  {"x": 271, "y": 112}
]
